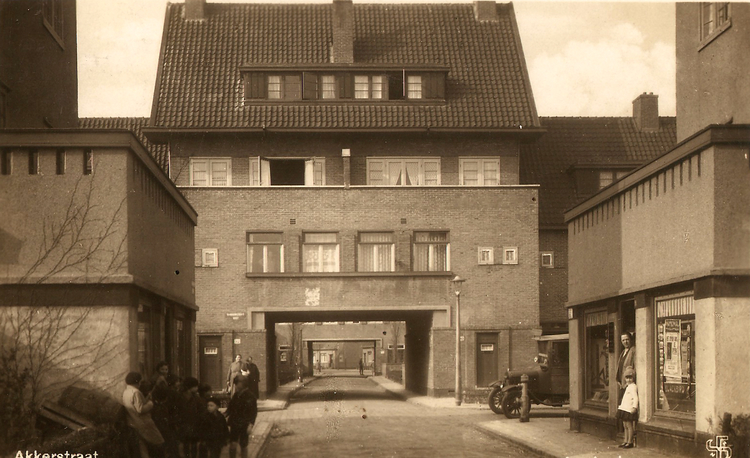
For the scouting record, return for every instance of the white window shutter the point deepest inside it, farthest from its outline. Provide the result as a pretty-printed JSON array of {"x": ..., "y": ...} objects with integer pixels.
[
  {"x": 310, "y": 172},
  {"x": 255, "y": 171},
  {"x": 265, "y": 172},
  {"x": 375, "y": 172}
]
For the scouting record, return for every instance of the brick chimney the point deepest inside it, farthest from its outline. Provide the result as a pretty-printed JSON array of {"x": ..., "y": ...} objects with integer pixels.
[
  {"x": 342, "y": 24},
  {"x": 485, "y": 11},
  {"x": 646, "y": 112},
  {"x": 195, "y": 10}
]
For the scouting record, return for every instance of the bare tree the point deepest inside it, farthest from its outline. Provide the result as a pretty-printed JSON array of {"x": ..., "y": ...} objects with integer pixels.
[
  {"x": 52, "y": 338},
  {"x": 396, "y": 330}
]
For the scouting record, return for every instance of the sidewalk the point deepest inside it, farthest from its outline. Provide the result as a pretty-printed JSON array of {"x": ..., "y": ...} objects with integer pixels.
[
  {"x": 262, "y": 429},
  {"x": 547, "y": 432}
]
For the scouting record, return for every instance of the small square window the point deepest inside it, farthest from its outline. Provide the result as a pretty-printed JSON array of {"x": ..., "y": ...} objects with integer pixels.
[
  {"x": 548, "y": 259},
  {"x": 485, "y": 255},
  {"x": 210, "y": 257},
  {"x": 510, "y": 255}
]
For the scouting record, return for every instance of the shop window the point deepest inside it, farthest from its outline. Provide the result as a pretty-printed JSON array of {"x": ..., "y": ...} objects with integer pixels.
[
  {"x": 597, "y": 357},
  {"x": 675, "y": 341}
]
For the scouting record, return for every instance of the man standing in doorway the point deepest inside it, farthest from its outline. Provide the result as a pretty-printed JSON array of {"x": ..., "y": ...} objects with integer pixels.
[{"x": 627, "y": 359}]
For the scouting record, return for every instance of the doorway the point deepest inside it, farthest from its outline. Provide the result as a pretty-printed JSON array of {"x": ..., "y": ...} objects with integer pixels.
[
  {"x": 210, "y": 361},
  {"x": 486, "y": 358}
]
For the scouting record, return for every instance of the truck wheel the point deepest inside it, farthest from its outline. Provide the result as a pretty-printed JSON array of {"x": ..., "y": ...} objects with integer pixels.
[
  {"x": 496, "y": 400},
  {"x": 512, "y": 404}
]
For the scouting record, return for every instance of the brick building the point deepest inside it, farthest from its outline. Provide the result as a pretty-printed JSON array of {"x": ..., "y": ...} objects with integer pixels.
[
  {"x": 347, "y": 161},
  {"x": 665, "y": 254},
  {"x": 94, "y": 233},
  {"x": 576, "y": 158}
]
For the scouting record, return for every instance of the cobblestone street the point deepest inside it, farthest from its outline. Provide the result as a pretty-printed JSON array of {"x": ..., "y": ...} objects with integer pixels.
[{"x": 353, "y": 416}]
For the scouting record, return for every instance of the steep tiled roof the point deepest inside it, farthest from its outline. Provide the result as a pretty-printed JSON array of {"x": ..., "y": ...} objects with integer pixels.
[
  {"x": 585, "y": 141},
  {"x": 135, "y": 125},
  {"x": 200, "y": 83}
]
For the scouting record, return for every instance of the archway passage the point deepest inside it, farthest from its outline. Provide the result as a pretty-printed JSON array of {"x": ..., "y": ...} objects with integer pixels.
[{"x": 392, "y": 343}]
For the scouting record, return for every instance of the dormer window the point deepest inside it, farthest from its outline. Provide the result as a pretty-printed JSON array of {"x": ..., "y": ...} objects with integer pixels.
[
  {"x": 414, "y": 87},
  {"x": 368, "y": 87},
  {"x": 607, "y": 177},
  {"x": 327, "y": 87},
  {"x": 334, "y": 83}
]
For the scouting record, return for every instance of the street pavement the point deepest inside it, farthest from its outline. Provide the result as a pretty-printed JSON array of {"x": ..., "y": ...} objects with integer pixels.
[{"x": 547, "y": 433}]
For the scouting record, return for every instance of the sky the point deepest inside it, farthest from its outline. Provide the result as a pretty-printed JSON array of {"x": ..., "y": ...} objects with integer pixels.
[{"x": 584, "y": 58}]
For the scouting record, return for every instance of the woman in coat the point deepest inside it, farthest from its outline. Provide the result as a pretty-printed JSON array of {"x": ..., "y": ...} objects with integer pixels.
[
  {"x": 139, "y": 414},
  {"x": 235, "y": 369}
]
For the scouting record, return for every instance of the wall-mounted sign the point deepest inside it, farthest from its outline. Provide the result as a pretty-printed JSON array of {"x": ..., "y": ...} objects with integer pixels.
[
  {"x": 237, "y": 341},
  {"x": 236, "y": 315}
]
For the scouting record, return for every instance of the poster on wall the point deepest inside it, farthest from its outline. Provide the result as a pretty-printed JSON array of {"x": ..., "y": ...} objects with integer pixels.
[{"x": 672, "y": 351}]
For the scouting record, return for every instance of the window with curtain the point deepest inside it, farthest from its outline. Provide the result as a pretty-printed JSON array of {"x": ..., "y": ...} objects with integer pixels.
[
  {"x": 265, "y": 252},
  {"x": 328, "y": 87},
  {"x": 320, "y": 252},
  {"x": 431, "y": 252},
  {"x": 414, "y": 171},
  {"x": 414, "y": 86},
  {"x": 376, "y": 252}
]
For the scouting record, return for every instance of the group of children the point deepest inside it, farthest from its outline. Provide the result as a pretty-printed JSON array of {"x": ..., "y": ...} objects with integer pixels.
[{"x": 189, "y": 420}]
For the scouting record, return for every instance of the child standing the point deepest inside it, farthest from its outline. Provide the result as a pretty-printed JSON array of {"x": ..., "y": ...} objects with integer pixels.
[
  {"x": 628, "y": 409},
  {"x": 214, "y": 429}
]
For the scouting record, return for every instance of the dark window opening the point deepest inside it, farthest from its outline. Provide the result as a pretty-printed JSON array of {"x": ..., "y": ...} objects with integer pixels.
[
  {"x": 88, "y": 162},
  {"x": 395, "y": 85},
  {"x": 5, "y": 164},
  {"x": 60, "y": 161},
  {"x": 33, "y": 162},
  {"x": 287, "y": 172}
]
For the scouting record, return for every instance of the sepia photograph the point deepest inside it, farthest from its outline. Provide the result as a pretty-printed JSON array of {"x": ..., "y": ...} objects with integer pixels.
[{"x": 374, "y": 228}]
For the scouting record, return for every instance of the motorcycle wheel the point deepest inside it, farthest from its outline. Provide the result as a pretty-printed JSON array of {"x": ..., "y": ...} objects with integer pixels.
[
  {"x": 512, "y": 404},
  {"x": 495, "y": 400}
]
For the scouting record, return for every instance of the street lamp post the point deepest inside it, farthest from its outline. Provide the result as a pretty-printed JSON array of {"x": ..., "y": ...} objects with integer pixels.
[{"x": 457, "y": 287}]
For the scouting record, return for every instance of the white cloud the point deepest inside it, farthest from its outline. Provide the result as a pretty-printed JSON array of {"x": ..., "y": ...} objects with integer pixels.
[{"x": 601, "y": 78}]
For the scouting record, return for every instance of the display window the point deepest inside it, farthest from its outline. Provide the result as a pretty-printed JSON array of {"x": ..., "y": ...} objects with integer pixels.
[
  {"x": 675, "y": 340},
  {"x": 597, "y": 357}
]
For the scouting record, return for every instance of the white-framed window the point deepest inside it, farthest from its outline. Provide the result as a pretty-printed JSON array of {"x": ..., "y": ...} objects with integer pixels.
[
  {"x": 287, "y": 171},
  {"x": 485, "y": 255},
  {"x": 413, "y": 171},
  {"x": 88, "y": 162},
  {"x": 265, "y": 252},
  {"x": 510, "y": 255},
  {"x": 327, "y": 87},
  {"x": 715, "y": 18},
  {"x": 607, "y": 177},
  {"x": 548, "y": 259},
  {"x": 274, "y": 87},
  {"x": 414, "y": 87},
  {"x": 479, "y": 171},
  {"x": 210, "y": 257},
  {"x": 431, "y": 251},
  {"x": 320, "y": 252},
  {"x": 368, "y": 86},
  {"x": 376, "y": 252},
  {"x": 210, "y": 172}
]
